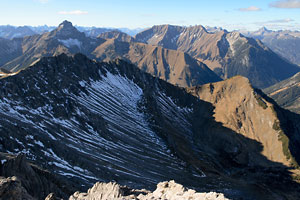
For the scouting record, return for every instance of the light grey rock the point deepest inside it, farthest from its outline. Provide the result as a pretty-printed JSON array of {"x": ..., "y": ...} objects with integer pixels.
[{"x": 165, "y": 190}]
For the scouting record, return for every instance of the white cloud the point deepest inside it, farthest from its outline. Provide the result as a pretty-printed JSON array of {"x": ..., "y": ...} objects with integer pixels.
[
  {"x": 278, "y": 21},
  {"x": 286, "y": 4},
  {"x": 73, "y": 12},
  {"x": 292, "y": 27},
  {"x": 281, "y": 20},
  {"x": 250, "y": 9},
  {"x": 42, "y": 1},
  {"x": 279, "y": 24}
]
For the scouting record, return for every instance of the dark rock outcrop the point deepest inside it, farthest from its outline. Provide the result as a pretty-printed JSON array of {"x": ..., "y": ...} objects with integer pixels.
[
  {"x": 12, "y": 189},
  {"x": 33, "y": 180}
]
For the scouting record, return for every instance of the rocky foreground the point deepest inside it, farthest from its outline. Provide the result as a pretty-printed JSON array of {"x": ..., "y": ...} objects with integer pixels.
[
  {"x": 165, "y": 190},
  {"x": 22, "y": 180},
  {"x": 11, "y": 189}
]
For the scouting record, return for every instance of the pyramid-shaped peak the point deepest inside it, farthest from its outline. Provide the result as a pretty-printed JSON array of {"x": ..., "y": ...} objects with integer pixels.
[
  {"x": 66, "y": 23},
  {"x": 66, "y": 26},
  {"x": 66, "y": 30}
]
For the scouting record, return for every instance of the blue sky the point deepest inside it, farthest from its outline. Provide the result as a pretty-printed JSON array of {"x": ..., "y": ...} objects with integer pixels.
[{"x": 229, "y": 14}]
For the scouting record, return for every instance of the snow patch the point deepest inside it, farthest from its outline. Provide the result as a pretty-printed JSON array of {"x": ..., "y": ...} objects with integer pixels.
[
  {"x": 82, "y": 83},
  {"x": 39, "y": 143}
]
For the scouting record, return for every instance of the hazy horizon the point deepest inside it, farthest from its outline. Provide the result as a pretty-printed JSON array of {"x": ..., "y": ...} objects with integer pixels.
[
  {"x": 141, "y": 29},
  {"x": 132, "y": 14}
]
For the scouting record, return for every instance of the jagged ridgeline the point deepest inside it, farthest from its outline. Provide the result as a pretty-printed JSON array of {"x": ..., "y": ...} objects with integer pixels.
[
  {"x": 184, "y": 56},
  {"x": 226, "y": 53},
  {"x": 87, "y": 121},
  {"x": 173, "y": 66}
]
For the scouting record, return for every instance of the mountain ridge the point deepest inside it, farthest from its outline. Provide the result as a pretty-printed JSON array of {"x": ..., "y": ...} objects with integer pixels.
[
  {"x": 226, "y": 53},
  {"x": 173, "y": 66},
  {"x": 73, "y": 104}
]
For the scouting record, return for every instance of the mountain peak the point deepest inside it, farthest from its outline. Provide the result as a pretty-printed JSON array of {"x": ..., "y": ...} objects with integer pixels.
[
  {"x": 263, "y": 30},
  {"x": 66, "y": 30},
  {"x": 66, "y": 23}
]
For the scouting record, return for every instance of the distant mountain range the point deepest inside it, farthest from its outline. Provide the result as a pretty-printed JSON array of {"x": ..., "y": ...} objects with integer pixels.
[
  {"x": 10, "y": 32},
  {"x": 183, "y": 50},
  {"x": 285, "y": 43},
  {"x": 226, "y": 53},
  {"x": 174, "y": 66}
]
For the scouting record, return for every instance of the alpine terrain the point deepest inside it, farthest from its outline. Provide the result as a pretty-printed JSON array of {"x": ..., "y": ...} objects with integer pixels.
[
  {"x": 173, "y": 66},
  {"x": 86, "y": 121}
]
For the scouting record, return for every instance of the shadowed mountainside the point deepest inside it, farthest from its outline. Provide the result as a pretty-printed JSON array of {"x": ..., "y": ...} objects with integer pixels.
[
  {"x": 287, "y": 93},
  {"x": 87, "y": 121}
]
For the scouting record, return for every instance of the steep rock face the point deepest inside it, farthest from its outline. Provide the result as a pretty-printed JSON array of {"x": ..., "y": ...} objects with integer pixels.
[
  {"x": 184, "y": 39},
  {"x": 165, "y": 190},
  {"x": 287, "y": 93},
  {"x": 175, "y": 67},
  {"x": 31, "y": 179},
  {"x": 164, "y": 35},
  {"x": 227, "y": 53},
  {"x": 66, "y": 30}
]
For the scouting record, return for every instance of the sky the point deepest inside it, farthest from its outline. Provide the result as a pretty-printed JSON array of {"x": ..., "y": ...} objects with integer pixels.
[{"x": 228, "y": 14}]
